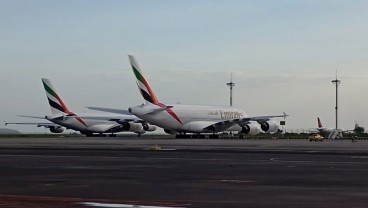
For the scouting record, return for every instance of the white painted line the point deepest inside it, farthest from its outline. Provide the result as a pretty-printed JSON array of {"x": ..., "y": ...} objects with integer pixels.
[{"x": 238, "y": 181}]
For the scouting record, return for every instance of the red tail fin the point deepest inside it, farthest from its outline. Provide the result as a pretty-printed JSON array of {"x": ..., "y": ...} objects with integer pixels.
[{"x": 319, "y": 123}]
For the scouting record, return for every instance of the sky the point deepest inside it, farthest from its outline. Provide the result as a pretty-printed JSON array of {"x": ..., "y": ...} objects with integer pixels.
[{"x": 282, "y": 54}]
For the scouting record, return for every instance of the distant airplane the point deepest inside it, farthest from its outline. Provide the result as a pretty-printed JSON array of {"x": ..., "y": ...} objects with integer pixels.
[
  {"x": 332, "y": 133},
  {"x": 196, "y": 119},
  {"x": 87, "y": 124}
]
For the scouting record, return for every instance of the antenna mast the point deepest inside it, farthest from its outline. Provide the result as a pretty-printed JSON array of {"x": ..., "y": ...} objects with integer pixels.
[
  {"x": 231, "y": 84},
  {"x": 336, "y": 82}
]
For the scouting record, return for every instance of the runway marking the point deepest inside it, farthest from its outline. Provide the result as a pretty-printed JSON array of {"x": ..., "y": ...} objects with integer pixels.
[
  {"x": 237, "y": 181},
  {"x": 69, "y": 156},
  {"x": 48, "y": 201},
  {"x": 117, "y": 157},
  {"x": 317, "y": 161},
  {"x": 359, "y": 157},
  {"x": 95, "y": 204}
]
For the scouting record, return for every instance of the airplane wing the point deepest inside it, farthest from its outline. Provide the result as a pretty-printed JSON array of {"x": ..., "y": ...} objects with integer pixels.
[
  {"x": 220, "y": 126},
  {"x": 259, "y": 118},
  {"x": 345, "y": 131},
  {"x": 224, "y": 125},
  {"x": 118, "y": 119},
  {"x": 110, "y": 110},
  {"x": 135, "y": 120},
  {"x": 349, "y": 131},
  {"x": 105, "y": 128},
  {"x": 114, "y": 128},
  {"x": 46, "y": 125}
]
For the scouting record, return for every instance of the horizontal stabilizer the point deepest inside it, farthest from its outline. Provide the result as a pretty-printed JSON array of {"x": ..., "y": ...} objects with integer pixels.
[
  {"x": 157, "y": 110},
  {"x": 110, "y": 110},
  {"x": 120, "y": 120},
  {"x": 25, "y": 116}
]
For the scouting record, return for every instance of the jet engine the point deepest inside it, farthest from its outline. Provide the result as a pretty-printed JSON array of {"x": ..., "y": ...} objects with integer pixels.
[
  {"x": 269, "y": 126},
  {"x": 134, "y": 127},
  {"x": 148, "y": 127},
  {"x": 250, "y": 129},
  {"x": 167, "y": 131},
  {"x": 56, "y": 129}
]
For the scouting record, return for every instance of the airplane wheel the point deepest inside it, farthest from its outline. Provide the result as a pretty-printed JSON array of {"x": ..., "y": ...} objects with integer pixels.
[
  {"x": 213, "y": 136},
  {"x": 201, "y": 136}
]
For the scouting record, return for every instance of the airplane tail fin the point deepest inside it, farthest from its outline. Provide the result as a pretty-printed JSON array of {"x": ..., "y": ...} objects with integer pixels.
[
  {"x": 143, "y": 85},
  {"x": 56, "y": 103},
  {"x": 358, "y": 129},
  {"x": 319, "y": 123}
]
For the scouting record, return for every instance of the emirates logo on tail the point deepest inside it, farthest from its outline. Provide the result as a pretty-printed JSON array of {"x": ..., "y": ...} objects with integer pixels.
[
  {"x": 56, "y": 103},
  {"x": 146, "y": 90}
]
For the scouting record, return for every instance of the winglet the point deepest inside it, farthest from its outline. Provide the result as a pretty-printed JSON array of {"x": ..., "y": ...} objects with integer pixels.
[{"x": 143, "y": 85}]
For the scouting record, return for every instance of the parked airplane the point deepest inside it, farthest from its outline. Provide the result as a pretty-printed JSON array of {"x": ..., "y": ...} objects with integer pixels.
[
  {"x": 331, "y": 133},
  {"x": 196, "y": 119},
  {"x": 87, "y": 124}
]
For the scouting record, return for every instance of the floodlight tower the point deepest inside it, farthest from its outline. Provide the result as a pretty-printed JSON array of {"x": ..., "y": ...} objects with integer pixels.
[
  {"x": 231, "y": 84},
  {"x": 336, "y": 82}
]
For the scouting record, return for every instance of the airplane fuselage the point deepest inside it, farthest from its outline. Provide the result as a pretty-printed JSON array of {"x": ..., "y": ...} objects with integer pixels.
[
  {"x": 187, "y": 118},
  {"x": 87, "y": 123},
  {"x": 330, "y": 133}
]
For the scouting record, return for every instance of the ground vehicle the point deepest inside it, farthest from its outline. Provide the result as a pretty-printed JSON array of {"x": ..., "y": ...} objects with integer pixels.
[{"x": 316, "y": 138}]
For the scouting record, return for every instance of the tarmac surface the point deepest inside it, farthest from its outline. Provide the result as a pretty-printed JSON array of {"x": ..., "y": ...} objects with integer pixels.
[{"x": 147, "y": 172}]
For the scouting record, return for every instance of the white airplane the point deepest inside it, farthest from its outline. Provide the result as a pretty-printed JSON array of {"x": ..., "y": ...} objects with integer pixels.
[
  {"x": 87, "y": 124},
  {"x": 332, "y": 133},
  {"x": 196, "y": 119}
]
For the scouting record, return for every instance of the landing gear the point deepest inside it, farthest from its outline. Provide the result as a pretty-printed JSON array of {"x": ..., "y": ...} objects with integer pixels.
[
  {"x": 89, "y": 135},
  {"x": 99, "y": 135},
  {"x": 182, "y": 136},
  {"x": 213, "y": 136},
  {"x": 198, "y": 136}
]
